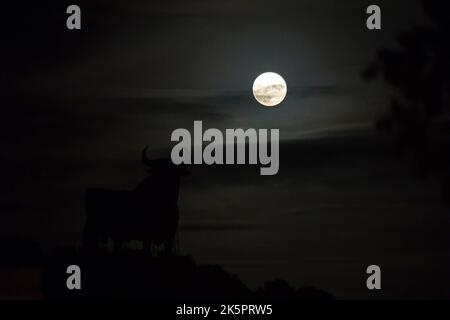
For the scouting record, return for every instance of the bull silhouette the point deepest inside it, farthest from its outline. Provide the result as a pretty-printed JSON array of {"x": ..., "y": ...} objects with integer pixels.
[{"x": 149, "y": 213}]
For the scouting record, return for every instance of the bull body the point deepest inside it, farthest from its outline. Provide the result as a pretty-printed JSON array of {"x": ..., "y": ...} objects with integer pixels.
[
  {"x": 124, "y": 215},
  {"x": 149, "y": 213}
]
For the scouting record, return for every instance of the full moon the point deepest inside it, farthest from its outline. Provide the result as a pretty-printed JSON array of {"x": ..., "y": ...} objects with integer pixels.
[{"x": 269, "y": 89}]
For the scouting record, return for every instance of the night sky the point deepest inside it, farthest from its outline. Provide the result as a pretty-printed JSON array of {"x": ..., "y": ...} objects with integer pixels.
[{"x": 79, "y": 106}]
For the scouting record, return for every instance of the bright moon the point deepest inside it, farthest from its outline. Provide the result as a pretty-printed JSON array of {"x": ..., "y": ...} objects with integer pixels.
[{"x": 269, "y": 89}]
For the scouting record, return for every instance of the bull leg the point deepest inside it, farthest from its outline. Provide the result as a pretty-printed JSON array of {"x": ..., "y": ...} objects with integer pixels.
[
  {"x": 168, "y": 247},
  {"x": 176, "y": 242},
  {"x": 89, "y": 240},
  {"x": 117, "y": 245},
  {"x": 148, "y": 246}
]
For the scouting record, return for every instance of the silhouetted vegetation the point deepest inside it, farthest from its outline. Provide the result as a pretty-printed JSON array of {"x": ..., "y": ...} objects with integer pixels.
[{"x": 418, "y": 70}]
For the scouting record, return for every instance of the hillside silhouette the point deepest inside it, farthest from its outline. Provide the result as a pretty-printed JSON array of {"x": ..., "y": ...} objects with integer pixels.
[{"x": 128, "y": 274}]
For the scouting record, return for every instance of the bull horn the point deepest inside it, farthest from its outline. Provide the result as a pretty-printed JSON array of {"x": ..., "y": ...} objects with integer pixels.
[{"x": 146, "y": 160}]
